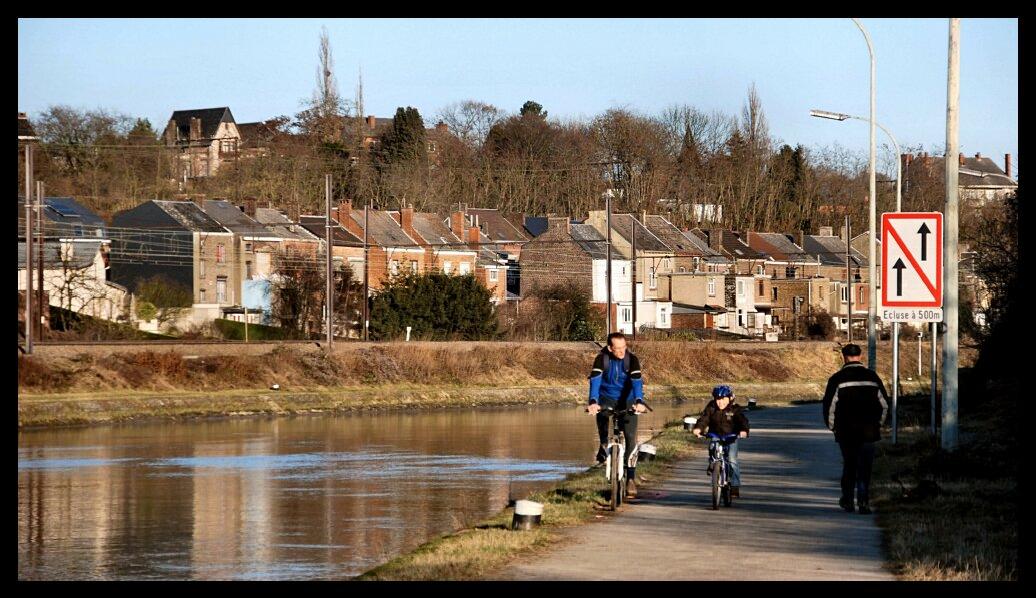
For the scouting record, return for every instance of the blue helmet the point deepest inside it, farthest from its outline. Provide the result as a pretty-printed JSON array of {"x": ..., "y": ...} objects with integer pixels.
[{"x": 722, "y": 391}]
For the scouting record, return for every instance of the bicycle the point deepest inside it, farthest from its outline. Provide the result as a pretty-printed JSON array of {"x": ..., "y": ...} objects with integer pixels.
[
  {"x": 614, "y": 471},
  {"x": 719, "y": 468}
]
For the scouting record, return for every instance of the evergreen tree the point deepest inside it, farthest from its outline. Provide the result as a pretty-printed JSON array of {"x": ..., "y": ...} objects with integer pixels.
[
  {"x": 436, "y": 306},
  {"x": 405, "y": 141},
  {"x": 533, "y": 108}
]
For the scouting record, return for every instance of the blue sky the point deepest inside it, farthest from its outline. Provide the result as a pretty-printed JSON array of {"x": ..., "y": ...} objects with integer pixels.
[{"x": 262, "y": 68}]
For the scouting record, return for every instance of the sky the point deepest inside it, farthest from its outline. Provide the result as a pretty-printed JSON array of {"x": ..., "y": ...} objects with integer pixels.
[{"x": 575, "y": 68}]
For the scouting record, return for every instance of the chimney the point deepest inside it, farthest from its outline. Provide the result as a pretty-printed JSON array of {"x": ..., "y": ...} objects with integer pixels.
[
  {"x": 406, "y": 222},
  {"x": 250, "y": 205},
  {"x": 800, "y": 239},
  {"x": 826, "y": 231},
  {"x": 293, "y": 212},
  {"x": 907, "y": 159},
  {"x": 1007, "y": 165},
  {"x": 371, "y": 121},
  {"x": 441, "y": 127},
  {"x": 716, "y": 239},
  {"x": 344, "y": 211},
  {"x": 842, "y": 233},
  {"x": 457, "y": 223},
  {"x": 960, "y": 159},
  {"x": 978, "y": 155},
  {"x": 473, "y": 237},
  {"x": 195, "y": 128},
  {"x": 563, "y": 223}
]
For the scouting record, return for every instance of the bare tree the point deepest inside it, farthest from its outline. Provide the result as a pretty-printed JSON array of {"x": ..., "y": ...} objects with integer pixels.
[{"x": 471, "y": 120}]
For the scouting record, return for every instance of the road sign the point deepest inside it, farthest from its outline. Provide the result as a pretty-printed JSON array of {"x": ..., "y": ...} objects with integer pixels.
[{"x": 911, "y": 266}]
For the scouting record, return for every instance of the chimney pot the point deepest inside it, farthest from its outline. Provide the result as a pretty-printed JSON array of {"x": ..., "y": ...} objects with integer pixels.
[
  {"x": 827, "y": 231},
  {"x": 960, "y": 159},
  {"x": 345, "y": 209},
  {"x": 371, "y": 121},
  {"x": 978, "y": 154},
  {"x": 1007, "y": 164}
]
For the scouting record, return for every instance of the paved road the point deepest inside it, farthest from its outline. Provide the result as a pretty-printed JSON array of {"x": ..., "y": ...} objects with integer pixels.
[{"x": 786, "y": 526}]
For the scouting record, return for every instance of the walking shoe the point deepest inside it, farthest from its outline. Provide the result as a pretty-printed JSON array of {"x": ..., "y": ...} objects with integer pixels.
[
  {"x": 846, "y": 504},
  {"x": 631, "y": 489},
  {"x": 602, "y": 456},
  {"x": 735, "y": 491},
  {"x": 865, "y": 509}
]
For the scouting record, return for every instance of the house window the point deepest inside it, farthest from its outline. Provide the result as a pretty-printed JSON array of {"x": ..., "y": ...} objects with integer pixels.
[
  {"x": 759, "y": 269},
  {"x": 652, "y": 279},
  {"x": 221, "y": 253},
  {"x": 762, "y": 289},
  {"x": 712, "y": 287},
  {"x": 248, "y": 248},
  {"x": 845, "y": 294},
  {"x": 201, "y": 268},
  {"x": 775, "y": 293},
  {"x": 682, "y": 269},
  {"x": 860, "y": 294},
  {"x": 492, "y": 276},
  {"x": 740, "y": 290},
  {"x": 221, "y": 289},
  {"x": 789, "y": 272},
  {"x": 751, "y": 319},
  {"x": 227, "y": 145},
  {"x": 447, "y": 267},
  {"x": 394, "y": 267},
  {"x": 627, "y": 314},
  {"x": 248, "y": 269},
  {"x": 413, "y": 266},
  {"x": 740, "y": 319},
  {"x": 465, "y": 268},
  {"x": 201, "y": 296},
  {"x": 666, "y": 264},
  {"x": 662, "y": 316}
]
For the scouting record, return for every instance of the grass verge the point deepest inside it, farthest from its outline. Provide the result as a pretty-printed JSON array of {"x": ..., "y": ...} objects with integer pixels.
[
  {"x": 950, "y": 516},
  {"x": 478, "y": 551}
]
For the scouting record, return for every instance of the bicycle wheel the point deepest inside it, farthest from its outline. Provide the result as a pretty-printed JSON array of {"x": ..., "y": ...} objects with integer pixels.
[
  {"x": 716, "y": 478},
  {"x": 616, "y": 463}
]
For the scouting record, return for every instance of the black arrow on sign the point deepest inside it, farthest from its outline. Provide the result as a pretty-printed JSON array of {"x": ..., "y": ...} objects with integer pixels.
[
  {"x": 899, "y": 267},
  {"x": 924, "y": 240}
]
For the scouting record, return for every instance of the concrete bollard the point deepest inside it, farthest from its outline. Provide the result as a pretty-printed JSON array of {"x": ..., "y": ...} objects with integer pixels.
[
  {"x": 752, "y": 403},
  {"x": 688, "y": 422},
  {"x": 527, "y": 515}
]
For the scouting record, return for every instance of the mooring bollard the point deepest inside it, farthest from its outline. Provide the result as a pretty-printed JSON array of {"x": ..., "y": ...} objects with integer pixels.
[
  {"x": 527, "y": 515},
  {"x": 688, "y": 422},
  {"x": 751, "y": 403}
]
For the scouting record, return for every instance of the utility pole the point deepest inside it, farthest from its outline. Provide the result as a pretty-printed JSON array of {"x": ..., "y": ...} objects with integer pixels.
[
  {"x": 38, "y": 323},
  {"x": 949, "y": 362},
  {"x": 633, "y": 272},
  {"x": 932, "y": 372},
  {"x": 366, "y": 275},
  {"x": 28, "y": 249},
  {"x": 608, "y": 266},
  {"x": 849, "y": 282},
  {"x": 329, "y": 304}
]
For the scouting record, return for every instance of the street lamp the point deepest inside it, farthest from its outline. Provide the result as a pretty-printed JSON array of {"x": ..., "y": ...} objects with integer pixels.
[
  {"x": 899, "y": 207},
  {"x": 872, "y": 348}
]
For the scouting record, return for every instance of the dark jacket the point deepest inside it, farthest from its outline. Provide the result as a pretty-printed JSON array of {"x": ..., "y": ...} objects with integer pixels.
[
  {"x": 731, "y": 420},
  {"x": 855, "y": 404},
  {"x": 615, "y": 380}
]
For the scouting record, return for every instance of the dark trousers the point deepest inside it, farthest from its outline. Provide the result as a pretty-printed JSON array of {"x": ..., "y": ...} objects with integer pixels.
[
  {"x": 629, "y": 430},
  {"x": 857, "y": 459}
]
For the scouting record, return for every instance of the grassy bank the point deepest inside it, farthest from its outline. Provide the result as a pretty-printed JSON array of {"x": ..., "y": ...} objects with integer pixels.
[
  {"x": 951, "y": 516},
  {"x": 478, "y": 551},
  {"x": 72, "y": 385}
]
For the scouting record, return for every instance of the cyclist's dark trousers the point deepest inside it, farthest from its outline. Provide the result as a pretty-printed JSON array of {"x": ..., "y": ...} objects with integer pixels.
[
  {"x": 629, "y": 429},
  {"x": 857, "y": 459}
]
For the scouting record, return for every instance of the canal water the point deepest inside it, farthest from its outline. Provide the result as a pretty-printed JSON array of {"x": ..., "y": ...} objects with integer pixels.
[{"x": 309, "y": 497}]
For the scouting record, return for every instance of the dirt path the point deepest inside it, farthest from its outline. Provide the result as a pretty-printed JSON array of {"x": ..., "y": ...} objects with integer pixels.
[{"x": 786, "y": 526}]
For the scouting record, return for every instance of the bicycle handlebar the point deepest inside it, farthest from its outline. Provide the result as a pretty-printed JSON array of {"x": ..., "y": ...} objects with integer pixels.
[{"x": 629, "y": 409}]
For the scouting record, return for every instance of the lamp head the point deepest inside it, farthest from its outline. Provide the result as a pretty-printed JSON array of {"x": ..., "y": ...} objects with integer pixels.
[{"x": 829, "y": 115}]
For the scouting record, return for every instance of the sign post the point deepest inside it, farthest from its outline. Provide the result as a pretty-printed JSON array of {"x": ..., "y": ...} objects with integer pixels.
[{"x": 911, "y": 273}]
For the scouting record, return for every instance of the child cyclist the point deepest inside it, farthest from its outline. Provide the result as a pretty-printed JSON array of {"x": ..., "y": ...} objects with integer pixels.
[{"x": 723, "y": 416}]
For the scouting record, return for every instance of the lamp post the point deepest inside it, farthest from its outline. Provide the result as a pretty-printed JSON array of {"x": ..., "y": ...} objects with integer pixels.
[
  {"x": 872, "y": 349},
  {"x": 899, "y": 208}
]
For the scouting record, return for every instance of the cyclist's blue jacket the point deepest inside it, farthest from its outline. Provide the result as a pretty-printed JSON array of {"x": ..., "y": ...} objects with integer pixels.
[{"x": 614, "y": 379}]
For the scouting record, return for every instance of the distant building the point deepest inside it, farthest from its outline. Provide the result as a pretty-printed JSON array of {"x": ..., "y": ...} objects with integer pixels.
[{"x": 205, "y": 138}]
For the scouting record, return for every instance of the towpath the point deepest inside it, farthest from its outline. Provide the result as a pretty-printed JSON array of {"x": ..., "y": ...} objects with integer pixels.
[{"x": 786, "y": 526}]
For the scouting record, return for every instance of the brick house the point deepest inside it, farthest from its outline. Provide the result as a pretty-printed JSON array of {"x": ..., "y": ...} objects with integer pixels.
[
  {"x": 687, "y": 255},
  {"x": 980, "y": 181},
  {"x": 205, "y": 139},
  {"x": 653, "y": 257},
  {"x": 180, "y": 242},
  {"x": 390, "y": 250},
  {"x": 347, "y": 248},
  {"x": 785, "y": 258}
]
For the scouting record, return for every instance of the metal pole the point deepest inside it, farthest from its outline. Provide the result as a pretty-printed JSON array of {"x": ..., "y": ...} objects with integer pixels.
[
  {"x": 28, "y": 249},
  {"x": 633, "y": 275},
  {"x": 608, "y": 266},
  {"x": 366, "y": 276},
  {"x": 949, "y": 362},
  {"x": 38, "y": 323},
  {"x": 246, "y": 324},
  {"x": 329, "y": 303},
  {"x": 933, "y": 373},
  {"x": 920, "y": 334},
  {"x": 849, "y": 282},
  {"x": 895, "y": 377},
  {"x": 872, "y": 348}
]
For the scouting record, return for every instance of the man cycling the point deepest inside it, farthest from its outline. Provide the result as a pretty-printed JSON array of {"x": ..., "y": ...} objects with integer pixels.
[
  {"x": 723, "y": 416},
  {"x": 615, "y": 377}
]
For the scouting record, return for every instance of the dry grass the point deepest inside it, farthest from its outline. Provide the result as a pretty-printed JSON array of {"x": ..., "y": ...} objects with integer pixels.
[
  {"x": 477, "y": 552},
  {"x": 950, "y": 516}
]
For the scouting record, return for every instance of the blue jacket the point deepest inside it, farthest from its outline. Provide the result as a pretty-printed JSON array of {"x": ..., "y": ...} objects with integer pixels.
[{"x": 616, "y": 379}]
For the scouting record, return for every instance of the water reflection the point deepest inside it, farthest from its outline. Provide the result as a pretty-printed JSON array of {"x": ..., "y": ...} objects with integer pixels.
[{"x": 321, "y": 497}]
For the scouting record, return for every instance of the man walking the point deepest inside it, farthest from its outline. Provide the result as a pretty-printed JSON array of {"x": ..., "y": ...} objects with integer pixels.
[
  {"x": 855, "y": 405},
  {"x": 614, "y": 381}
]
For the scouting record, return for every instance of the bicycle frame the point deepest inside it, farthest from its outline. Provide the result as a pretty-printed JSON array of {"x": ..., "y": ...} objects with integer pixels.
[{"x": 719, "y": 448}]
